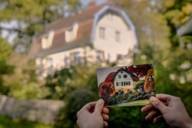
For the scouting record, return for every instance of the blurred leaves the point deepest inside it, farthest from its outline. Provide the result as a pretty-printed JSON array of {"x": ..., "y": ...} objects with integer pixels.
[
  {"x": 70, "y": 79},
  {"x": 29, "y": 91},
  {"x": 25, "y": 9},
  {"x": 74, "y": 102},
  {"x": 5, "y": 49},
  {"x": 5, "y": 68}
]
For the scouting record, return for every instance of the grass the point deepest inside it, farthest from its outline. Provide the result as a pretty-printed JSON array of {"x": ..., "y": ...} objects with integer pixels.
[{"x": 6, "y": 122}]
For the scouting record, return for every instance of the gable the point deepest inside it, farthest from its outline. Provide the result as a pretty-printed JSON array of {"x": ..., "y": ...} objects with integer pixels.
[
  {"x": 109, "y": 9},
  {"x": 123, "y": 78}
]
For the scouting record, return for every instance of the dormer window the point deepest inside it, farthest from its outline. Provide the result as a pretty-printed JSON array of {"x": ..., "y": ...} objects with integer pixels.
[
  {"x": 47, "y": 39},
  {"x": 102, "y": 33},
  {"x": 71, "y": 33}
]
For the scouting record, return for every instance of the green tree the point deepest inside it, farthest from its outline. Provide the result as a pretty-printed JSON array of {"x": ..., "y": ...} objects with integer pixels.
[
  {"x": 5, "y": 51},
  {"x": 31, "y": 16},
  {"x": 70, "y": 79},
  {"x": 176, "y": 12}
]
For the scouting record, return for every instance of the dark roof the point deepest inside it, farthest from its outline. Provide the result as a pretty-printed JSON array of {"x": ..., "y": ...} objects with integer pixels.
[
  {"x": 68, "y": 46},
  {"x": 79, "y": 17},
  {"x": 186, "y": 29}
]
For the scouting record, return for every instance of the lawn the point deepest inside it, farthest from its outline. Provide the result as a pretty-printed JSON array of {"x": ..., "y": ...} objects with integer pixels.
[{"x": 6, "y": 122}]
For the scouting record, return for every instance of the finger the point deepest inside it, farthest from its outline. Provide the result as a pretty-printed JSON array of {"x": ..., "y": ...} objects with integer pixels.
[
  {"x": 156, "y": 119},
  {"x": 158, "y": 104},
  {"x": 147, "y": 108},
  {"x": 105, "y": 117},
  {"x": 105, "y": 124},
  {"x": 163, "y": 97},
  {"x": 99, "y": 106},
  {"x": 151, "y": 115},
  {"x": 77, "y": 122},
  {"x": 105, "y": 110},
  {"x": 77, "y": 115}
]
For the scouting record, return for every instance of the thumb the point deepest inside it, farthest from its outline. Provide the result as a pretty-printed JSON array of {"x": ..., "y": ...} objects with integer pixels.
[
  {"x": 158, "y": 104},
  {"x": 99, "y": 106}
]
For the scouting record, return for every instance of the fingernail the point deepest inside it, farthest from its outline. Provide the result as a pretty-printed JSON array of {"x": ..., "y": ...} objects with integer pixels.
[
  {"x": 101, "y": 101},
  {"x": 153, "y": 99},
  {"x": 142, "y": 109}
]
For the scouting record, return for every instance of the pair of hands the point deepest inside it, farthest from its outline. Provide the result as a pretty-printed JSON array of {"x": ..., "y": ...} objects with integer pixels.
[{"x": 171, "y": 108}]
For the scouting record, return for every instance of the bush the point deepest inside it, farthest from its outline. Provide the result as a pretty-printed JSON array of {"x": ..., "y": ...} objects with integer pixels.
[
  {"x": 75, "y": 101},
  {"x": 29, "y": 91}
]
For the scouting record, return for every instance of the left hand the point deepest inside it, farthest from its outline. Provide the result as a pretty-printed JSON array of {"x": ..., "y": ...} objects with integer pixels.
[{"x": 93, "y": 115}]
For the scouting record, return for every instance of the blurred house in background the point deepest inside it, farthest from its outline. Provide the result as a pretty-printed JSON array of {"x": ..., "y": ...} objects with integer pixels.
[{"x": 99, "y": 34}]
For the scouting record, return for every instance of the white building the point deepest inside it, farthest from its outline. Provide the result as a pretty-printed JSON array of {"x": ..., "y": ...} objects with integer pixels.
[{"x": 101, "y": 33}]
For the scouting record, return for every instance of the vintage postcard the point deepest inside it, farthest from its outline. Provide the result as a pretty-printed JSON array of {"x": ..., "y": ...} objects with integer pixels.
[{"x": 126, "y": 86}]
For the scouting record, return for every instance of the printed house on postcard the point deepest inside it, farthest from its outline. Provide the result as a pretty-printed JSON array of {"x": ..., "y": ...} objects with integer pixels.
[
  {"x": 126, "y": 84},
  {"x": 98, "y": 34}
]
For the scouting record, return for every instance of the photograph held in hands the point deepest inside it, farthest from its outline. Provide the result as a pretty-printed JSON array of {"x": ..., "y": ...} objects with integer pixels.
[{"x": 126, "y": 86}]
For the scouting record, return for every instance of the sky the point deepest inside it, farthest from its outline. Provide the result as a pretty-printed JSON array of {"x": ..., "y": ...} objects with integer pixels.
[{"x": 85, "y": 2}]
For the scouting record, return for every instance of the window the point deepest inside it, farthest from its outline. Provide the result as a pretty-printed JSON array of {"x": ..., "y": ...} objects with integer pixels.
[
  {"x": 66, "y": 61},
  {"x": 117, "y": 36},
  {"x": 50, "y": 68},
  {"x": 71, "y": 33},
  {"x": 76, "y": 58},
  {"x": 99, "y": 55},
  {"x": 49, "y": 61},
  {"x": 47, "y": 40},
  {"x": 102, "y": 32}
]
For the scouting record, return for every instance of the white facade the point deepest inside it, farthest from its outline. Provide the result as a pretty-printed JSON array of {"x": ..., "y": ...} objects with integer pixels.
[
  {"x": 114, "y": 37},
  {"x": 53, "y": 62}
]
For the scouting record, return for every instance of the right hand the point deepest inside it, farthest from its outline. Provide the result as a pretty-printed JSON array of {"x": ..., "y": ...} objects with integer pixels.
[{"x": 171, "y": 108}]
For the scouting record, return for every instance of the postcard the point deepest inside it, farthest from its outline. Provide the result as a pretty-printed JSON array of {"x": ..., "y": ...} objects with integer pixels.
[{"x": 126, "y": 86}]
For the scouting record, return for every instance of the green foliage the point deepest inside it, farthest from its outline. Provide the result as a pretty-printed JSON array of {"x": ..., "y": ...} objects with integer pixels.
[
  {"x": 32, "y": 15},
  {"x": 58, "y": 83},
  {"x": 67, "y": 80},
  {"x": 5, "y": 49},
  {"x": 130, "y": 117},
  {"x": 5, "y": 68},
  {"x": 3, "y": 89},
  {"x": 6, "y": 122},
  {"x": 176, "y": 13},
  {"x": 75, "y": 101},
  {"x": 20, "y": 9},
  {"x": 29, "y": 91}
]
